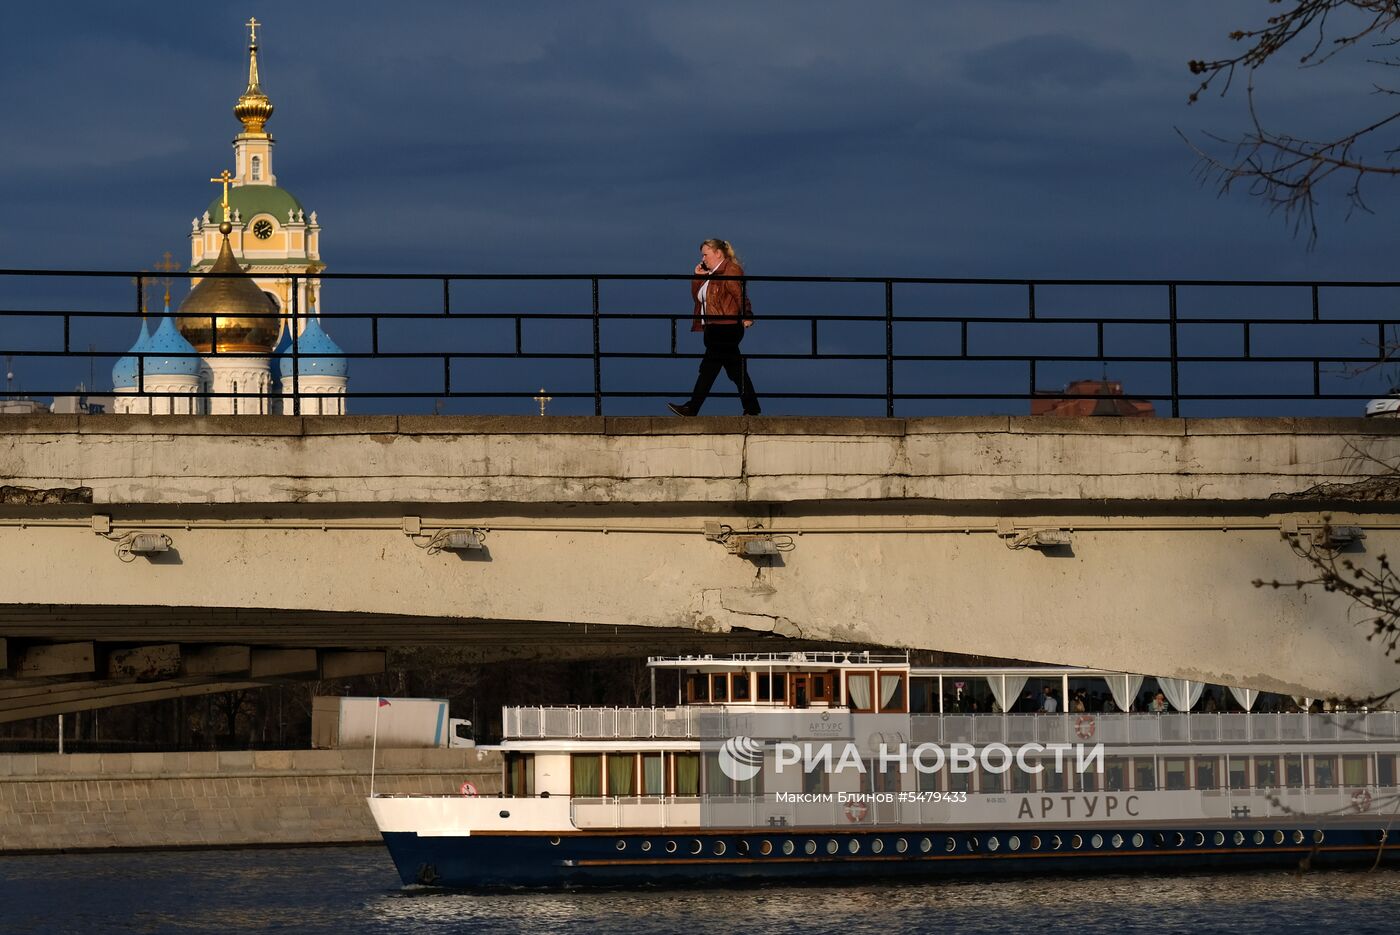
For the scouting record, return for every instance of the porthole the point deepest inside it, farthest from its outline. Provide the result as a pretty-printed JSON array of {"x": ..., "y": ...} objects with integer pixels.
[
  {"x": 972, "y": 842},
  {"x": 853, "y": 846},
  {"x": 621, "y": 844},
  {"x": 1117, "y": 840},
  {"x": 925, "y": 845},
  {"x": 1137, "y": 840},
  {"x": 832, "y": 847},
  {"x": 1180, "y": 839},
  {"x": 670, "y": 847},
  {"x": 901, "y": 845},
  {"x": 1218, "y": 838},
  {"x": 1055, "y": 842},
  {"x": 1162, "y": 839},
  {"x": 1076, "y": 842},
  {"x": 993, "y": 843},
  {"x": 1096, "y": 841},
  {"x": 504, "y": 814},
  {"x": 1317, "y": 837},
  {"x": 788, "y": 848},
  {"x": 554, "y": 841},
  {"x": 810, "y": 847},
  {"x": 765, "y": 848},
  {"x": 696, "y": 847},
  {"x": 1035, "y": 842},
  {"x": 1013, "y": 843},
  {"x": 1200, "y": 839},
  {"x": 741, "y": 847},
  {"x": 646, "y": 847},
  {"x": 1280, "y": 837},
  {"x": 950, "y": 845},
  {"x": 1297, "y": 837},
  {"x": 1258, "y": 837},
  {"x": 876, "y": 846},
  {"x": 719, "y": 848},
  {"x": 1238, "y": 838}
]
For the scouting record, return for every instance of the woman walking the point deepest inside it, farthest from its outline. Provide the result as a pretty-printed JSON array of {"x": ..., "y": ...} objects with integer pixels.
[{"x": 722, "y": 312}]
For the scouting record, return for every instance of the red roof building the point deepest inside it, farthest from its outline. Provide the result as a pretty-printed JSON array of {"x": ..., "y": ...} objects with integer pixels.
[{"x": 1091, "y": 398}]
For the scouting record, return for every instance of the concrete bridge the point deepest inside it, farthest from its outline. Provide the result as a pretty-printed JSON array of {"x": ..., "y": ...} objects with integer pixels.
[{"x": 172, "y": 555}]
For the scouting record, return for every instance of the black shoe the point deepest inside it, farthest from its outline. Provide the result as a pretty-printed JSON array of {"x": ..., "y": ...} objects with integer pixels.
[
  {"x": 753, "y": 412},
  {"x": 683, "y": 409}
]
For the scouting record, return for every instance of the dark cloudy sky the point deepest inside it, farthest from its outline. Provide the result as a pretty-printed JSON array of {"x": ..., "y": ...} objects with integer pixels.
[{"x": 1005, "y": 138}]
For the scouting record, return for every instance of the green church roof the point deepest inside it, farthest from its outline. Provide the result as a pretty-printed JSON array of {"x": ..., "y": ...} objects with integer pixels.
[{"x": 249, "y": 200}]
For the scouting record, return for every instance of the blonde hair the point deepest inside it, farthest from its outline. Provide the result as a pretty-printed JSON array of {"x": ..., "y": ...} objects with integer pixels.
[{"x": 723, "y": 246}]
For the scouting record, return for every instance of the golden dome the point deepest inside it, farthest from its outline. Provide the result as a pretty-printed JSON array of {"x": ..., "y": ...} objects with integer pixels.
[
  {"x": 245, "y": 320},
  {"x": 254, "y": 107}
]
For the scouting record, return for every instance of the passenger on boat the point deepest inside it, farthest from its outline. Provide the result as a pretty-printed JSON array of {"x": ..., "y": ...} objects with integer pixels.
[
  {"x": 1049, "y": 705},
  {"x": 1159, "y": 703}
]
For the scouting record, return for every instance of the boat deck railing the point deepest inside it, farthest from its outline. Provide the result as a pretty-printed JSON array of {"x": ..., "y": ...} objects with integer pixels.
[
  {"x": 697, "y": 722},
  {"x": 803, "y": 657}
]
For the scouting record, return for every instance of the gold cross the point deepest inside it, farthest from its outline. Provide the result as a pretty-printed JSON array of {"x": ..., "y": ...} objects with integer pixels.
[
  {"x": 225, "y": 177},
  {"x": 253, "y": 25},
  {"x": 167, "y": 265},
  {"x": 543, "y": 400}
]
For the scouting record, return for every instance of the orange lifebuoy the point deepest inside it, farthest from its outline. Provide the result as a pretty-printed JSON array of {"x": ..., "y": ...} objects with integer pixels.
[
  {"x": 1361, "y": 800},
  {"x": 1084, "y": 726},
  {"x": 467, "y": 788},
  {"x": 856, "y": 811}
]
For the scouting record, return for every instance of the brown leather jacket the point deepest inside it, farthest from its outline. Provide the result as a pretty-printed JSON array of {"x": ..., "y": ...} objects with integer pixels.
[{"x": 722, "y": 300}]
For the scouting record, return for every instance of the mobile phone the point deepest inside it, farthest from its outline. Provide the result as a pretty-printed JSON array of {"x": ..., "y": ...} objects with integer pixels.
[{"x": 704, "y": 265}]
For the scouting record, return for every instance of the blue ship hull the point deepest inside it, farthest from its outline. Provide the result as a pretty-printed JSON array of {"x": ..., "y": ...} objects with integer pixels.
[{"x": 699, "y": 857}]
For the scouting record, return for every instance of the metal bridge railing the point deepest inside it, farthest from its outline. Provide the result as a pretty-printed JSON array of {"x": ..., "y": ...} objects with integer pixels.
[{"x": 893, "y": 319}]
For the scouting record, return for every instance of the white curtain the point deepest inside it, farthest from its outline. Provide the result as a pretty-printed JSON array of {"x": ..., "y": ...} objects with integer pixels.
[
  {"x": 1124, "y": 689},
  {"x": 858, "y": 688},
  {"x": 1007, "y": 689},
  {"x": 889, "y": 685},
  {"x": 1182, "y": 694},
  {"x": 1245, "y": 696}
]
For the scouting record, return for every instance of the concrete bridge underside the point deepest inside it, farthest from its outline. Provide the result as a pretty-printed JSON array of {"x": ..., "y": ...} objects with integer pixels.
[{"x": 1121, "y": 544}]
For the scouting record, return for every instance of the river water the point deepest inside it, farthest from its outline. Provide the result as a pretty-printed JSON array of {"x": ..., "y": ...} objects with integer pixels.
[{"x": 354, "y": 889}]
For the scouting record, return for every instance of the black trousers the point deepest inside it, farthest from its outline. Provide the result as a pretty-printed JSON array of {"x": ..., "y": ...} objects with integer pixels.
[{"x": 722, "y": 351}]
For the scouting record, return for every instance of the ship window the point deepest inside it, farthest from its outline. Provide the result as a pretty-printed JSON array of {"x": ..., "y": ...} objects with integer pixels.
[
  {"x": 1385, "y": 771},
  {"x": 950, "y": 845},
  {"x": 520, "y": 774},
  {"x": 646, "y": 846},
  {"x": 1088, "y": 781},
  {"x": 901, "y": 845},
  {"x": 1175, "y": 769},
  {"x": 697, "y": 688},
  {"x": 1324, "y": 772},
  {"x": 959, "y": 782},
  {"x": 1117, "y": 840},
  {"x": 1293, "y": 772},
  {"x": 1137, "y": 840},
  {"x": 858, "y": 691},
  {"x": 1279, "y": 837},
  {"x": 587, "y": 770},
  {"x": 741, "y": 686},
  {"x": 789, "y": 847},
  {"x": 821, "y": 688},
  {"x": 1144, "y": 773},
  {"x": 928, "y": 782},
  {"x": 1297, "y": 837},
  {"x": 719, "y": 687},
  {"x": 653, "y": 774},
  {"x": 1239, "y": 772},
  {"x": 1354, "y": 770},
  {"x": 719, "y": 848},
  {"x": 989, "y": 781},
  {"x": 772, "y": 687},
  {"x": 1266, "y": 772},
  {"x": 1218, "y": 838},
  {"x": 1076, "y": 842},
  {"x": 832, "y": 847},
  {"x": 876, "y": 846},
  {"x": 1013, "y": 843},
  {"x": 1022, "y": 781},
  {"x": 687, "y": 773},
  {"x": 1115, "y": 774},
  {"x": 810, "y": 847},
  {"x": 622, "y": 774},
  {"x": 1238, "y": 838},
  {"x": 1052, "y": 780},
  {"x": 1096, "y": 841},
  {"x": 1317, "y": 837},
  {"x": 891, "y": 692},
  {"x": 670, "y": 847},
  {"x": 923, "y": 696},
  {"x": 853, "y": 846},
  {"x": 1206, "y": 768},
  {"x": 765, "y": 848},
  {"x": 816, "y": 782},
  {"x": 696, "y": 847}
]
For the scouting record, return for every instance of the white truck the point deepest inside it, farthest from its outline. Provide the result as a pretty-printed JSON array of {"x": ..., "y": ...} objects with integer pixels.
[{"x": 338, "y": 722}]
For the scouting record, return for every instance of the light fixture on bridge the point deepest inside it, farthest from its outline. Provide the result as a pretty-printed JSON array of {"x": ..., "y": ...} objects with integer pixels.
[
  {"x": 142, "y": 543},
  {"x": 1326, "y": 537},
  {"x": 1040, "y": 539},
  {"x": 748, "y": 544},
  {"x": 457, "y": 540}
]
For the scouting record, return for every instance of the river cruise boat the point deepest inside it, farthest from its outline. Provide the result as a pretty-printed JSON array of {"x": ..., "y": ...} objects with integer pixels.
[{"x": 832, "y": 766}]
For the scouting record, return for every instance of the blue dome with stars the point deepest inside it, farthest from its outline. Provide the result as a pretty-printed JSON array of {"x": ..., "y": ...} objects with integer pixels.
[
  {"x": 124, "y": 370},
  {"x": 319, "y": 355}
]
